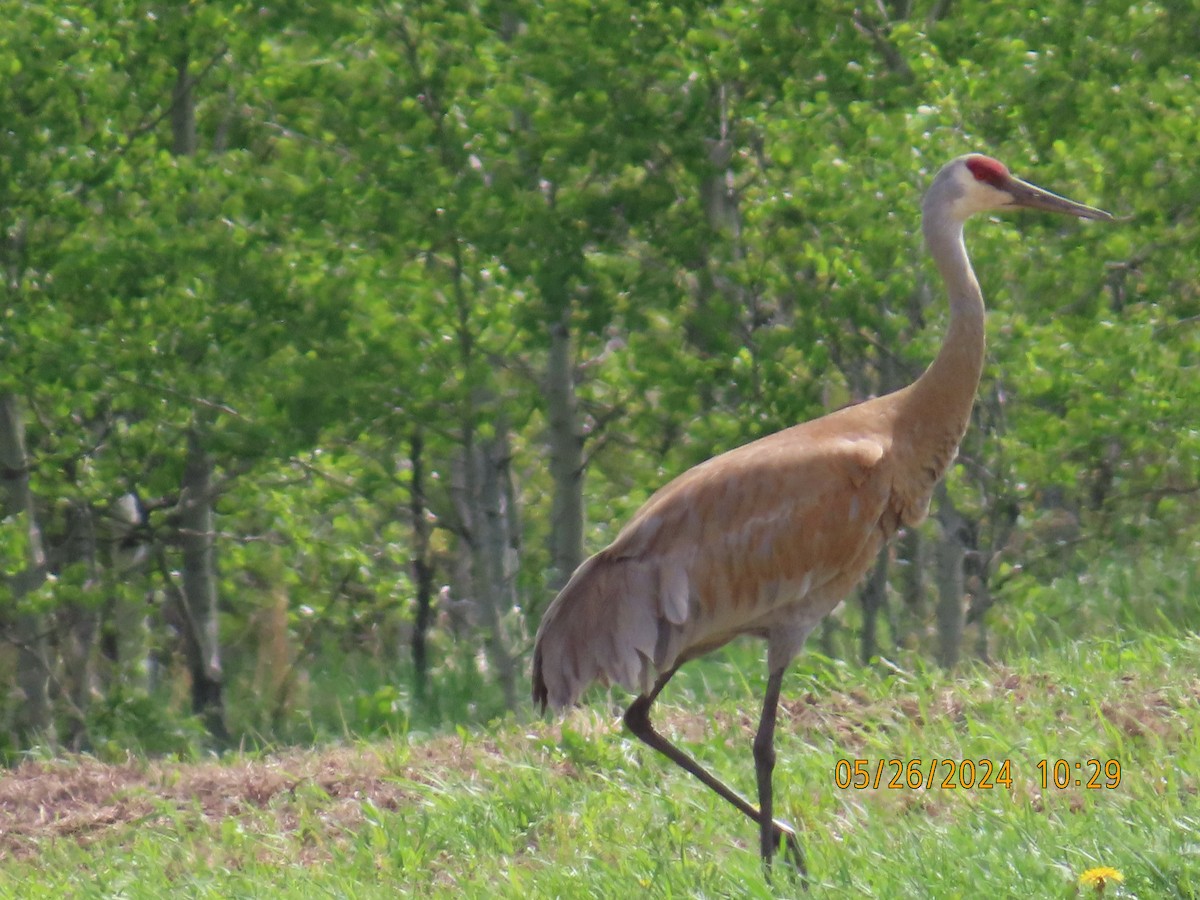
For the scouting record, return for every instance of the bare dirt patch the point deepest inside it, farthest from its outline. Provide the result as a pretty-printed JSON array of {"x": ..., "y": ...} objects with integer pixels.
[
  {"x": 304, "y": 800},
  {"x": 81, "y": 798}
]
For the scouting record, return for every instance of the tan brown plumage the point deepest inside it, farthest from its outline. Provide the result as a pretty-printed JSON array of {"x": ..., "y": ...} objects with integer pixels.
[{"x": 768, "y": 538}]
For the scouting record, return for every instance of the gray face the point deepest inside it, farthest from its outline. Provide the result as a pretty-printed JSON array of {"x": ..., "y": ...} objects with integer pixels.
[{"x": 958, "y": 192}]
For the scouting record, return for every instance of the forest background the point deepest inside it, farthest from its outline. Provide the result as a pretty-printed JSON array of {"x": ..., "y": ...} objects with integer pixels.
[{"x": 336, "y": 335}]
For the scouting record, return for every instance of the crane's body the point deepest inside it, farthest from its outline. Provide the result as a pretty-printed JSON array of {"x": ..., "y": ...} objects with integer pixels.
[
  {"x": 765, "y": 540},
  {"x": 768, "y": 538}
]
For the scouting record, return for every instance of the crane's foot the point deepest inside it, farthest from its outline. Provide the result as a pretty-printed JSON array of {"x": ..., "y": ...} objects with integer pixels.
[{"x": 783, "y": 836}]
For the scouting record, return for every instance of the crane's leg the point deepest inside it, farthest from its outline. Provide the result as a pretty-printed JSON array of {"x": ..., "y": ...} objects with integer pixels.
[
  {"x": 772, "y": 831},
  {"x": 637, "y": 719}
]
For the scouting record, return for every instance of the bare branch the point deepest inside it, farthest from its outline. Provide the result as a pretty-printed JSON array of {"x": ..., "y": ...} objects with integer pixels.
[{"x": 877, "y": 34}]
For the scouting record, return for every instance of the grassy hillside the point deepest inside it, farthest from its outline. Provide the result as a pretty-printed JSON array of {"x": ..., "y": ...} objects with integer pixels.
[{"x": 533, "y": 809}]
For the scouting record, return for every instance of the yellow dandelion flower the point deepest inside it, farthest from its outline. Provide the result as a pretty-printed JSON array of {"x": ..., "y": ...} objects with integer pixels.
[{"x": 1100, "y": 878}]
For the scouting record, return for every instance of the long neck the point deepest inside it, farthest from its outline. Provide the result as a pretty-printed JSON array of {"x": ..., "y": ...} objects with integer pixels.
[{"x": 939, "y": 402}]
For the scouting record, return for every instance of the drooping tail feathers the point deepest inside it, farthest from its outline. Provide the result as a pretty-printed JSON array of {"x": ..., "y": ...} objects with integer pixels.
[{"x": 618, "y": 620}]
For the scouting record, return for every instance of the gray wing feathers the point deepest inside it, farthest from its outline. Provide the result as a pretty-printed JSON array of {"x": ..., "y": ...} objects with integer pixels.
[{"x": 618, "y": 620}]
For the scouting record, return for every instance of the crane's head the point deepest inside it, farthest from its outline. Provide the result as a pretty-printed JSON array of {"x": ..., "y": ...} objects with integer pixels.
[{"x": 976, "y": 183}]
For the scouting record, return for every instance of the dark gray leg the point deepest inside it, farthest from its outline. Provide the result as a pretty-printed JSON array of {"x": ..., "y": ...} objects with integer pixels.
[
  {"x": 637, "y": 718},
  {"x": 770, "y": 830}
]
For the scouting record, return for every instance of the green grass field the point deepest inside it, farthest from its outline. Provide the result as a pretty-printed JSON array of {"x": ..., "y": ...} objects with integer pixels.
[{"x": 578, "y": 809}]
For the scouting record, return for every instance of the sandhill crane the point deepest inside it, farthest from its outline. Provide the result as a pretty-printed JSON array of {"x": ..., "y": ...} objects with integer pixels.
[{"x": 768, "y": 538}]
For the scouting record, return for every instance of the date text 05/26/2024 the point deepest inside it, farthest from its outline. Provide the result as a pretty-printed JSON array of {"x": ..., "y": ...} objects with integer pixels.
[{"x": 967, "y": 774}]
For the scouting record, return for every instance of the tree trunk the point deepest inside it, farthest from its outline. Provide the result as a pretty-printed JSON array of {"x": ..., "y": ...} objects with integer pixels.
[
  {"x": 33, "y": 722},
  {"x": 125, "y": 638},
  {"x": 199, "y": 594},
  {"x": 717, "y": 194},
  {"x": 566, "y": 456},
  {"x": 198, "y": 597},
  {"x": 422, "y": 569},
  {"x": 911, "y": 556},
  {"x": 479, "y": 492},
  {"x": 874, "y": 598},
  {"x": 982, "y": 639},
  {"x": 183, "y": 110},
  {"x": 80, "y": 620},
  {"x": 486, "y": 568},
  {"x": 494, "y": 565},
  {"x": 275, "y": 672},
  {"x": 951, "y": 552}
]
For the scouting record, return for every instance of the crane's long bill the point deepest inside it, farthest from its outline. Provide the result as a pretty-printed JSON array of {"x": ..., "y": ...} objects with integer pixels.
[{"x": 1034, "y": 197}]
